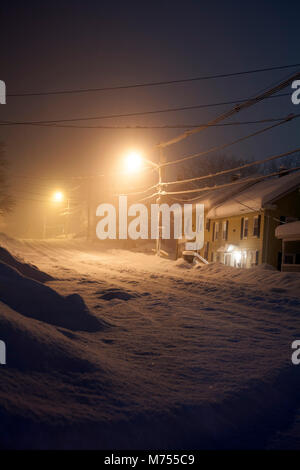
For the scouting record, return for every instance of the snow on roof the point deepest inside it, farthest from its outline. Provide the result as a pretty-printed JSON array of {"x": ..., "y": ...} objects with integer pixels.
[
  {"x": 290, "y": 230},
  {"x": 216, "y": 196},
  {"x": 257, "y": 196}
]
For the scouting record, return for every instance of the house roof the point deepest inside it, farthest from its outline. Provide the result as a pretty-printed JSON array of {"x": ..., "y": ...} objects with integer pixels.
[
  {"x": 211, "y": 198},
  {"x": 256, "y": 196}
]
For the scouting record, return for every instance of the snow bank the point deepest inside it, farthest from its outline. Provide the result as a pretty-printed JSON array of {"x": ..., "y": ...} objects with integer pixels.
[
  {"x": 262, "y": 276},
  {"x": 26, "y": 269},
  {"x": 35, "y": 346},
  {"x": 182, "y": 264},
  {"x": 38, "y": 301}
]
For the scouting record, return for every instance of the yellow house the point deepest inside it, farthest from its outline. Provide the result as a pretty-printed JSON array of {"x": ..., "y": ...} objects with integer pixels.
[
  {"x": 241, "y": 230},
  {"x": 240, "y": 221}
]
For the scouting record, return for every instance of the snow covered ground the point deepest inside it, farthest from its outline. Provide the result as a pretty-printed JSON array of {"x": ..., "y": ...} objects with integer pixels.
[{"x": 149, "y": 353}]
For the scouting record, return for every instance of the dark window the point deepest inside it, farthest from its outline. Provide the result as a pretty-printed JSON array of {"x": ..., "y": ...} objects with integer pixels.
[
  {"x": 213, "y": 233},
  {"x": 212, "y": 256},
  {"x": 256, "y": 257},
  {"x": 256, "y": 226},
  {"x": 208, "y": 225},
  {"x": 246, "y": 224},
  {"x": 242, "y": 227},
  {"x": 217, "y": 229}
]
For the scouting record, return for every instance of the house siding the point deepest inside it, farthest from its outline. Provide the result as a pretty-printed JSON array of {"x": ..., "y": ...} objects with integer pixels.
[
  {"x": 251, "y": 243},
  {"x": 266, "y": 244}
]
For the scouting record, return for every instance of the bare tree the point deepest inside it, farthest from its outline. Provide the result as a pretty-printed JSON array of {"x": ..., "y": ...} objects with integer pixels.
[{"x": 210, "y": 165}]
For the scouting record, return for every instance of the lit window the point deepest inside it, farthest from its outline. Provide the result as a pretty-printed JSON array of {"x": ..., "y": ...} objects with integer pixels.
[{"x": 225, "y": 230}]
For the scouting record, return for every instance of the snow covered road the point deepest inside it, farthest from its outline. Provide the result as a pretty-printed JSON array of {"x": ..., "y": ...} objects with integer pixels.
[{"x": 188, "y": 357}]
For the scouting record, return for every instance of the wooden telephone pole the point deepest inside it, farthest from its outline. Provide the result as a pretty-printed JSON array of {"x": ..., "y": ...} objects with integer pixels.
[{"x": 161, "y": 176}]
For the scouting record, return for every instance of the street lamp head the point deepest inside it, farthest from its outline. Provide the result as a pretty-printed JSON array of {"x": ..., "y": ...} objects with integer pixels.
[
  {"x": 58, "y": 196},
  {"x": 133, "y": 162}
]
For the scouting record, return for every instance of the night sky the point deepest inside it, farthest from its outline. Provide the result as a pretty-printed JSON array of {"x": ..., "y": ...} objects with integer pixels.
[{"x": 84, "y": 44}]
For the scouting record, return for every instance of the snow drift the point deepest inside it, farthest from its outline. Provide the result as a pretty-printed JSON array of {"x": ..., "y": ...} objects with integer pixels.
[
  {"x": 26, "y": 269},
  {"x": 34, "y": 346},
  {"x": 264, "y": 275},
  {"x": 35, "y": 300}
]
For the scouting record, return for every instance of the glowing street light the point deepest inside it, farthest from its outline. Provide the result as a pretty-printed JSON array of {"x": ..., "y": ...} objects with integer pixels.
[
  {"x": 133, "y": 162},
  {"x": 58, "y": 196}
]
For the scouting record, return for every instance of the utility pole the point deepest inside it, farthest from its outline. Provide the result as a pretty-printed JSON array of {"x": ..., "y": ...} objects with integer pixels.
[
  {"x": 89, "y": 182},
  {"x": 158, "y": 199}
]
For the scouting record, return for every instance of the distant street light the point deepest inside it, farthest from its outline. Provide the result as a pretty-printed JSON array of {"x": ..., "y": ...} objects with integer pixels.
[{"x": 57, "y": 197}]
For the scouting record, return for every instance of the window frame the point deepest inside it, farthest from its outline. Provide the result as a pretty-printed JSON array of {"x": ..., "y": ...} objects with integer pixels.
[
  {"x": 258, "y": 219},
  {"x": 246, "y": 227},
  {"x": 217, "y": 230},
  {"x": 225, "y": 224}
]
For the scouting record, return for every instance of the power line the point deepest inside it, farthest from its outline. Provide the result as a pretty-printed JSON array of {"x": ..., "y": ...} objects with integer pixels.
[
  {"x": 244, "y": 180},
  {"x": 150, "y": 197},
  {"x": 141, "y": 113},
  {"x": 246, "y": 165},
  {"x": 167, "y": 126},
  {"x": 287, "y": 119},
  {"x": 222, "y": 147},
  {"x": 230, "y": 170},
  {"x": 220, "y": 118},
  {"x": 151, "y": 84},
  {"x": 139, "y": 192},
  {"x": 231, "y": 112},
  {"x": 255, "y": 210}
]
